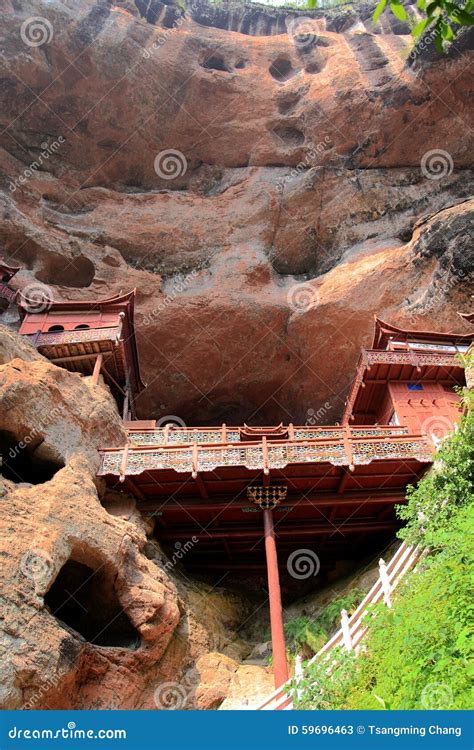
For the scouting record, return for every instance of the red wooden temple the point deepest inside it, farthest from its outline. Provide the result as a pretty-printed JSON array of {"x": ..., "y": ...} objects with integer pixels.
[
  {"x": 92, "y": 338},
  {"x": 7, "y": 294},
  {"x": 249, "y": 500},
  {"x": 320, "y": 490}
]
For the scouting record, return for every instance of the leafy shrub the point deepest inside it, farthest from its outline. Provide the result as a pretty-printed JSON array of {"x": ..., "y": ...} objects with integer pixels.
[
  {"x": 446, "y": 487},
  {"x": 419, "y": 653}
]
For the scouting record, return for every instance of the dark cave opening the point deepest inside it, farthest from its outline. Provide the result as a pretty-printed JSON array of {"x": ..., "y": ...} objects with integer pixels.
[
  {"x": 281, "y": 69},
  {"x": 85, "y": 600},
  {"x": 215, "y": 62},
  {"x": 19, "y": 464}
]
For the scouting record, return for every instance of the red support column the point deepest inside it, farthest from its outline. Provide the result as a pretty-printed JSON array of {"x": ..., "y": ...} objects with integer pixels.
[{"x": 280, "y": 666}]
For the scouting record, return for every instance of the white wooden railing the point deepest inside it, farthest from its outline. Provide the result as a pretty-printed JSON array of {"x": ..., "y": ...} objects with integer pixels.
[{"x": 352, "y": 629}]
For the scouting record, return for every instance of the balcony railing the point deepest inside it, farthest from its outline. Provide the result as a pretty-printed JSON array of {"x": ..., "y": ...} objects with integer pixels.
[
  {"x": 170, "y": 435},
  {"x": 77, "y": 336},
  {"x": 7, "y": 293},
  {"x": 410, "y": 357},
  {"x": 349, "y": 450}
]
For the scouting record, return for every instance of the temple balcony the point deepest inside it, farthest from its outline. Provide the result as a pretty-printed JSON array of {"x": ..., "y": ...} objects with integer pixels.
[
  {"x": 348, "y": 446},
  {"x": 170, "y": 435}
]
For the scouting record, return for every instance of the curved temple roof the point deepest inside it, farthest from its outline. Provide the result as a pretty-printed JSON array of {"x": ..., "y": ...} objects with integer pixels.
[{"x": 385, "y": 331}]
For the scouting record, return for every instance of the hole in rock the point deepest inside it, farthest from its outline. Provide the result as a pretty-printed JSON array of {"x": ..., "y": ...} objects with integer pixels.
[
  {"x": 215, "y": 62},
  {"x": 240, "y": 64},
  {"x": 77, "y": 272},
  {"x": 281, "y": 69},
  {"x": 85, "y": 600},
  {"x": 19, "y": 463},
  {"x": 290, "y": 136}
]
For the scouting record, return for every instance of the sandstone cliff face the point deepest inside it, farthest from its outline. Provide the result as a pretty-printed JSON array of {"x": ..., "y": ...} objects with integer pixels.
[
  {"x": 91, "y": 616},
  {"x": 300, "y": 197}
]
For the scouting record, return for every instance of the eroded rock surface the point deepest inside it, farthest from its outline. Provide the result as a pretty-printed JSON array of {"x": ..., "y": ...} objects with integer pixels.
[
  {"x": 91, "y": 617},
  {"x": 298, "y": 199}
]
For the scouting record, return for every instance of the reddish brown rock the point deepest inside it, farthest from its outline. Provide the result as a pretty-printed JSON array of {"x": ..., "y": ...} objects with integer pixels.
[
  {"x": 90, "y": 615},
  {"x": 298, "y": 164}
]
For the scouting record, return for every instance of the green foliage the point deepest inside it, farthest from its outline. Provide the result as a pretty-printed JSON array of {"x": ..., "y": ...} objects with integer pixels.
[
  {"x": 442, "y": 19},
  {"x": 330, "y": 616},
  {"x": 306, "y": 636},
  {"x": 419, "y": 653},
  {"x": 447, "y": 486},
  {"x": 323, "y": 690},
  {"x": 301, "y": 632}
]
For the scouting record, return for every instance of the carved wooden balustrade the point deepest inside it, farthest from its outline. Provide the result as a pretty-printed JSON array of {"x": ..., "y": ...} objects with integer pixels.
[
  {"x": 171, "y": 435},
  {"x": 6, "y": 293},
  {"x": 77, "y": 336},
  {"x": 338, "y": 446}
]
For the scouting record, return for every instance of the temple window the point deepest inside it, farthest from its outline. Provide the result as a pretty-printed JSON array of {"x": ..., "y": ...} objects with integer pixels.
[
  {"x": 414, "y": 386},
  {"x": 81, "y": 326},
  {"x": 56, "y": 327}
]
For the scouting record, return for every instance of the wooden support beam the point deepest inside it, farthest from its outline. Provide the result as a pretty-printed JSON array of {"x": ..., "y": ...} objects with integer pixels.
[
  {"x": 201, "y": 487},
  {"x": 280, "y": 665},
  {"x": 343, "y": 480},
  {"x": 136, "y": 492},
  {"x": 78, "y": 357},
  {"x": 110, "y": 377},
  {"x": 97, "y": 367},
  {"x": 219, "y": 505},
  {"x": 307, "y": 529}
]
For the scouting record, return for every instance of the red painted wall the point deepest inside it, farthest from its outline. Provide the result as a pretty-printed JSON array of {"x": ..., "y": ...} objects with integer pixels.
[
  {"x": 34, "y": 322},
  {"x": 432, "y": 410}
]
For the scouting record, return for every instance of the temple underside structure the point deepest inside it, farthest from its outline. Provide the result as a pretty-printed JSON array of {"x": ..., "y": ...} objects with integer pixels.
[
  {"x": 244, "y": 500},
  {"x": 337, "y": 484}
]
